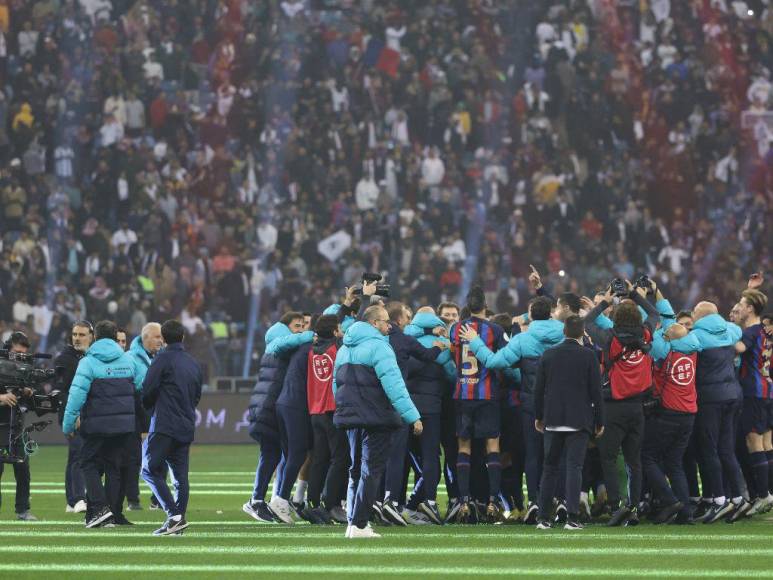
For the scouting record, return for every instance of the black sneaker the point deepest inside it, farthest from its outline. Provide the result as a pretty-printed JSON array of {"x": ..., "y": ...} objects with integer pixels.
[
  {"x": 429, "y": 509},
  {"x": 392, "y": 512},
  {"x": 171, "y": 527},
  {"x": 667, "y": 514},
  {"x": 120, "y": 520},
  {"x": 620, "y": 517},
  {"x": 544, "y": 524},
  {"x": 259, "y": 510},
  {"x": 702, "y": 509},
  {"x": 452, "y": 509},
  {"x": 377, "y": 515},
  {"x": 532, "y": 511},
  {"x": 98, "y": 518},
  {"x": 561, "y": 514},
  {"x": 493, "y": 513},
  {"x": 573, "y": 522},
  {"x": 719, "y": 511},
  {"x": 338, "y": 514}
]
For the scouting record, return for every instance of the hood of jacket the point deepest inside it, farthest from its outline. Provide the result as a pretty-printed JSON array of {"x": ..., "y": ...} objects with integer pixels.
[
  {"x": 105, "y": 350},
  {"x": 421, "y": 322},
  {"x": 277, "y": 330},
  {"x": 714, "y": 331},
  {"x": 139, "y": 351},
  {"x": 360, "y": 332}
]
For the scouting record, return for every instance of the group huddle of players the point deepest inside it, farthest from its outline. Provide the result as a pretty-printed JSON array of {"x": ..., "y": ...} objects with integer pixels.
[{"x": 471, "y": 372}]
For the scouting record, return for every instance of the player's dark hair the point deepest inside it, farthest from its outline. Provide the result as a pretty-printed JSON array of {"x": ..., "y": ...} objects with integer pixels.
[
  {"x": 288, "y": 317},
  {"x": 326, "y": 325},
  {"x": 173, "y": 331},
  {"x": 476, "y": 299},
  {"x": 574, "y": 327},
  {"x": 105, "y": 329},
  {"x": 571, "y": 300},
  {"x": 540, "y": 307}
]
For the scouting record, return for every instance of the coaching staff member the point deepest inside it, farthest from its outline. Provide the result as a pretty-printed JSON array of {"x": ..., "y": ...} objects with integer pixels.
[
  {"x": 568, "y": 409},
  {"x": 102, "y": 393},
  {"x": 172, "y": 389},
  {"x": 371, "y": 403}
]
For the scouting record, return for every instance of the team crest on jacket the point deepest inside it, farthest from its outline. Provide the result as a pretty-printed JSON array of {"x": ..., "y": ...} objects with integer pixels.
[
  {"x": 323, "y": 366},
  {"x": 633, "y": 357},
  {"x": 683, "y": 371}
]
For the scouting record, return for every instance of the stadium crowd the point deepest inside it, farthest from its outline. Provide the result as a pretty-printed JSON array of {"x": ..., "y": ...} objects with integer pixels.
[
  {"x": 169, "y": 160},
  {"x": 166, "y": 159}
]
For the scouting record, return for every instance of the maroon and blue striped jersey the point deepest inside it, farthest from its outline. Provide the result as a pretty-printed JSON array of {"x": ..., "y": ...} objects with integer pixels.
[
  {"x": 474, "y": 382},
  {"x": 755, "y": 363}
]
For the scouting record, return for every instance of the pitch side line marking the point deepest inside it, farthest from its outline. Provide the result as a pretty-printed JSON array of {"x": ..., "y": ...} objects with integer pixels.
[
  {"x": 390, "y": 570},
  {"x": 301, "y": 550},
  {"x": 286, "y": 531}
]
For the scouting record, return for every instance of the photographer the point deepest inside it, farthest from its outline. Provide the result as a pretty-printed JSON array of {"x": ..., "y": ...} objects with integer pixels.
[
  {"x": 81, "y": 337},
  {"x": 627, "y": 374},
  {"x": 103, "y": 394},
  {"x": 19, "y": 343}
]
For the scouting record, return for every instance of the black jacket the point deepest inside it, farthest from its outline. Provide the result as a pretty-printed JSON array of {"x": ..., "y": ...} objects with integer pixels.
[
  {"x": 172, "y": 389},
  {"x": 65, "y": 363},
  {"x": 262, "y": 408},
  {"x": 568, "y": 388},
  {"x": 293, "y": 393},
  {"x": 411, "y": 355}
]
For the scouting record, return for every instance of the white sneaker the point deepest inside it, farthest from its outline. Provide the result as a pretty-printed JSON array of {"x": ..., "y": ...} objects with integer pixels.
[
  {"x": 366, "y": 532},
  {"x": 348, "y": 531},
  {"x": 69, "y": 509},
  {"x": 79, "y": 508},
  {"x": 759, "y": 505},
  {"x": 416, "y": 518},
  {"x": 282, "y": 509}
]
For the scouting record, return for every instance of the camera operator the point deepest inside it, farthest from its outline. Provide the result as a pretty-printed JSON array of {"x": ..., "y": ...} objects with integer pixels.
[
  {"x": 627, "y": 375},
  {"x": 81, "y": 337},
  {"x": 19, "y": 343},
  {"x": 103, "y": 393}
]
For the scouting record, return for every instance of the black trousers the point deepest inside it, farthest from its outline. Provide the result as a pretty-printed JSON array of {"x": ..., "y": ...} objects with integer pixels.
[
  {"x": 624, "y": 430},
  {"x": 575, "y": 444},
  {"x": 21, "y": 472},
  {"x": 74, "y": 483},
  {"x": 715, "y": 426},
  {"x": 130, "y": 472},
  {"x": 666, "y": 437},
  {"x": 162, "y": 453},
  {"x": 329, "y": 462},
  {"x": 103, "y": 452}
]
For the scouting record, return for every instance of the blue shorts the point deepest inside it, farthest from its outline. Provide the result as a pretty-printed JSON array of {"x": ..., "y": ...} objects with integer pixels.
[
  {"x": 756, "y": 416},
  {"x": 477, "y": 419}
]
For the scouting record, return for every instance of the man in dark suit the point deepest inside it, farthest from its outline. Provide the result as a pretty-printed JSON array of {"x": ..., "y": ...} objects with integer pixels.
[
  {"x": 569, "y": 408},
  {"x": 172, "y": 390}
]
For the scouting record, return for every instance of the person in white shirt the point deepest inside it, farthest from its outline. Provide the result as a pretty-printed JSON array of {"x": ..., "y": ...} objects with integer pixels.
[
  {"x": 432, "y": 169},
  {"x": 366, "y": 194}
]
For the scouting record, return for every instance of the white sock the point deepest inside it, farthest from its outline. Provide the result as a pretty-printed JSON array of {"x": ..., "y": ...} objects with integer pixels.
[
  {"x": 176, "y": 518},
  {"x": 719, "y": 500},
  {"x": 300, "y": 491},
  {"x": 275, "y": 488},
  {"x": 584, "y": 496},
  {"x": 738, "y": 500}
]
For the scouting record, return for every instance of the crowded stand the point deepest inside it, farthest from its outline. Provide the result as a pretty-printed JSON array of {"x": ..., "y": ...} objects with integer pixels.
[{"x": 388, "y": 213}]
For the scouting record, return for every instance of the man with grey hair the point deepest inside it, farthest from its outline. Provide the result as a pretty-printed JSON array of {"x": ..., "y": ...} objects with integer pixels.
[{"x": 143, "y": 348}]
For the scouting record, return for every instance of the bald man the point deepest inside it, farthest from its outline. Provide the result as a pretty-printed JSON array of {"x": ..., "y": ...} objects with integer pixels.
[
  {"x": 143, "y": 349},
  {"x": 719, "y": 400}
]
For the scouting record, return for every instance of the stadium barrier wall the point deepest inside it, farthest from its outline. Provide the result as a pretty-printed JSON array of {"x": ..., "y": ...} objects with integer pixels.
[{"x": 221, "y": 418}]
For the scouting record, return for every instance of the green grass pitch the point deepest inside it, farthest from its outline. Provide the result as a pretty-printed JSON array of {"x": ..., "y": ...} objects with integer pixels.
[{"x": 224, "y": 542}]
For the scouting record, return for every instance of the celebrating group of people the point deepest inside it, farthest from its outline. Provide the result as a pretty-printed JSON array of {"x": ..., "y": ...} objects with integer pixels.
[{"x": 555, "y": 395}]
